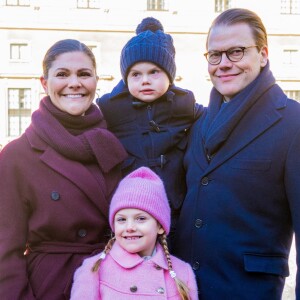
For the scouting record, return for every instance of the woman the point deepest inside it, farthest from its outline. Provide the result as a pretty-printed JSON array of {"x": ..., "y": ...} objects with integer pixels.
[
  {"x": 57, "y": 179},
  {"x": 243, "y": 162}
]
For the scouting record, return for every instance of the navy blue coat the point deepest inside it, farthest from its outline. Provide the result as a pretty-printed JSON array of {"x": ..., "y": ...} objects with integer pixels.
[
  {"x": 241, "y": 208},
  {"x": 154, "y": 134}
]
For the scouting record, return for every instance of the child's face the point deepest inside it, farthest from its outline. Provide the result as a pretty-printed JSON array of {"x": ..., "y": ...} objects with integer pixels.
[
  {"x": 136, "y": 231},
  {"x": 147, "y": 82}
]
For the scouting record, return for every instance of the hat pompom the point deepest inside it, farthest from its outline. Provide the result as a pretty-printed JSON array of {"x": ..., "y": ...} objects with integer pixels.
[{"x": 149, "y": 23}]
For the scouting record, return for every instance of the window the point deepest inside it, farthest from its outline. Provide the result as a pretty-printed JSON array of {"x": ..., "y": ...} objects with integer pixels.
[
  {"x": 19, "y": 51},
  {"x": 293, "y": 94},
  {"x": 88, "y": 4},
  {"x": 159, "y": 5},
  {"x": 290, "y": 7},
  {"x": 17, "y": 2},
  {"x": 221, "y": 5},
  {"x": 19, "y": 110},
  {"x": 291, "y": 56}
]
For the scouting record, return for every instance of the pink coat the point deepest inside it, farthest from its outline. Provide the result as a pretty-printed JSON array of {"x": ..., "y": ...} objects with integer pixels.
[{"x": 123, "y": 275}]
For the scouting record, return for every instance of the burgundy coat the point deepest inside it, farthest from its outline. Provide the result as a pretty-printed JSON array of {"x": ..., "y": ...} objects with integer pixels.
[{"x": 55, "y": 205}]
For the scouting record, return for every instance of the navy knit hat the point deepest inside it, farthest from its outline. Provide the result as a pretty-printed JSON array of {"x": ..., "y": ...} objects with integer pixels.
[{"x": 150, "y": 44}]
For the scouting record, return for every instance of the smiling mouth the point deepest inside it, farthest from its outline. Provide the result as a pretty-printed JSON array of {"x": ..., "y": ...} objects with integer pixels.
[
  {"x": 131, "y": 238},
  {"x": 227, "y": 75},
  {"x": 74, "y": 96}
]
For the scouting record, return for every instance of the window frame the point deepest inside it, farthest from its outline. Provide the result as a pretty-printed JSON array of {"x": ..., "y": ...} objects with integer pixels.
[
  {"x": 19, "y": 110},
  {"x": 290, "y": 7},
  {"x": 18, "y": 3},
  {"x": 293, "y": 94},
  {"x": 88, "y": 4},
  {"x": 222, "y": 5},
  {"x": 157, "y": 5}
]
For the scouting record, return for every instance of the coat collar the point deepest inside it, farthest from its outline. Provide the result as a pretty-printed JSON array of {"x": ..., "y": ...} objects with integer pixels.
[
  {"x": 129, "y": 260},
  {"x": 72, "y": 170},
  {"x": 264, "y": 114}
]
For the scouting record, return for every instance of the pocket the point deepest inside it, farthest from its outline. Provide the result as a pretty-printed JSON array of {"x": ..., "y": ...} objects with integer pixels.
[{"x": 270, "y": 264}]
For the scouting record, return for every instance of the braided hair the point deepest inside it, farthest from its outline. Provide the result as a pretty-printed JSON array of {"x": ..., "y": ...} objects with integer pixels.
[{"x": 181, "y": 286}]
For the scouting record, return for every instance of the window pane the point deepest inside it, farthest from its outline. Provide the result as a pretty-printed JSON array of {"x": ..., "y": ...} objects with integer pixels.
[
  {"x": 88, "y": 3},
  {"x": 293, "y": 94},
  {"x": 25, "y": 122},
  {"x": 19, "y": 51},
  {"x": 290, "y": 6},
  {"x": 13, "y": 99},
  {"x": 19, "y": 110},
  {"x": 18, "y": 2},
  {"x": 156, "y": 5},
  {"x": 13, "y": 126},
  {"x": 221, "y": 5}
]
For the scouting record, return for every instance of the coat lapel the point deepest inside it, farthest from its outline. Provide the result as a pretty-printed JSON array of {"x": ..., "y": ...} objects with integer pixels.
[
  {"x": 78, "y": 174},
  {"x": 262, "y": 116}
]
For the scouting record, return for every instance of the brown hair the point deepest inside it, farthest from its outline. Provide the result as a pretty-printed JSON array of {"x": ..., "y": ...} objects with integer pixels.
[
  {"x": 181, "y": 286},
  {"x": 240, "y": 15},
  {"x": 65, "y": 46}
]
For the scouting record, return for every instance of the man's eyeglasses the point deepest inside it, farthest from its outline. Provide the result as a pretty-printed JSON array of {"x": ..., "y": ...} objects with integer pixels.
[{"x": 233, "y": 54}]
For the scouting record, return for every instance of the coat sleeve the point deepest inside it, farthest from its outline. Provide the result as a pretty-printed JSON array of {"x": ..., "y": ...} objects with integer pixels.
[
  {"x": 292, "y": 185},
  {"x": 85, "y": 281},
  {"x": 14, "y": 212}
]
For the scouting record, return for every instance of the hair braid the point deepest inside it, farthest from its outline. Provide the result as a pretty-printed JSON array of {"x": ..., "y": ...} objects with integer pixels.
[
  {"x": 106, "y": 250},
  {"x": 181, "y": 286}
]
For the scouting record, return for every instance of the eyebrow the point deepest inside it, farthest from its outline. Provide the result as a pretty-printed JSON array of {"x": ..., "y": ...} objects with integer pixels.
[
  {"x": 66, "y": 69},
  {"x": 226, "y": 49}
]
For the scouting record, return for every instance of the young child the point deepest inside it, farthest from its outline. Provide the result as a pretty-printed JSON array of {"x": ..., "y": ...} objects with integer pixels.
[
  {"x": 136, "y": 263},
  {"x": 148, "y": 113}
]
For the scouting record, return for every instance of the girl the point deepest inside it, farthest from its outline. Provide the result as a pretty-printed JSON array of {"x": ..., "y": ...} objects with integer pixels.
[{"x": 136, "y": 263}]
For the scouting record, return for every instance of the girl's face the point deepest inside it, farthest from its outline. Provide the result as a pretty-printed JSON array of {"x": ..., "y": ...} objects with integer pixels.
[
  {"x": 147, "y": 82},
  {"x": 136, "y": 231},
  {"x": 71, "y": 82}
]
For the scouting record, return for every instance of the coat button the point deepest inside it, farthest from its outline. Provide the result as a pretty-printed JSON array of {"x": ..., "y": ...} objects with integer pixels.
[
  {"x": 204, "y": 181},
  {"x": 157, "y": 267},
  {"x": 161, "y": 290},
  {"x": 82, "y": 232},
  {"x": 133, "y": 289},
  {"x": 195, "y": 266},
  {"x": 198, "y": 223},
  {"x": 55, "y": 196}
]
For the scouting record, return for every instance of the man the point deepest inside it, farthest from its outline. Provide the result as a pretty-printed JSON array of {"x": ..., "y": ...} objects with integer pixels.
[{"x": 243, "y": 170}]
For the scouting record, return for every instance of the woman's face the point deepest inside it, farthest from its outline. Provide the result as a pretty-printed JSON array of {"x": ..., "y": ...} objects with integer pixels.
[
  {"x": 228, "y": 77},
  {"x": 71, "y": 82}
]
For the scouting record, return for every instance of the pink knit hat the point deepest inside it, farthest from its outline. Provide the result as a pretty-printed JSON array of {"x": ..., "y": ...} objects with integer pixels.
[{"x": 142, "y": 189}]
